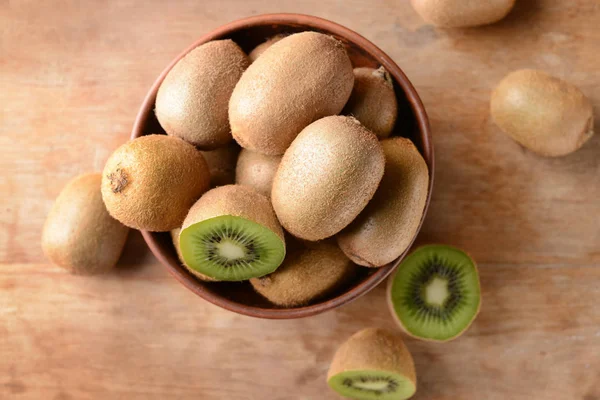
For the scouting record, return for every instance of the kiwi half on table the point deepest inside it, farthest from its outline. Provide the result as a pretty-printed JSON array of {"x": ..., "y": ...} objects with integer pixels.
[
  {"x": 373, "y": 364},
  {"x": 232, "y": 234},
  {"x": 435, "y": 295}
]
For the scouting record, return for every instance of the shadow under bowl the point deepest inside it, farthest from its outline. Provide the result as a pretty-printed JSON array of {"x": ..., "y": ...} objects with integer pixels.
[{"x": 412, "y": 122}]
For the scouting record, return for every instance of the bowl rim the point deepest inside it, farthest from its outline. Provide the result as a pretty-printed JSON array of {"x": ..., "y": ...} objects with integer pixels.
[{"x": 422, "y": 123}]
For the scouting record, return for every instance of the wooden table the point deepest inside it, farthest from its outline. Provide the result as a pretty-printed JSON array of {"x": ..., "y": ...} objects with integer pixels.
[{"x": 72, "y": 77}]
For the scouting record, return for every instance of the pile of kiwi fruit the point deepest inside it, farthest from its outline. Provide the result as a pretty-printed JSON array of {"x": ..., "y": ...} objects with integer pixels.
[{"x": 287, "y": 168}]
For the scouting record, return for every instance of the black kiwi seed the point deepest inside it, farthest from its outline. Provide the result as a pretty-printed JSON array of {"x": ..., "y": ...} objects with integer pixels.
[
  {"x": 391, "y": 387},
  {"x": 209, "y": 243}
]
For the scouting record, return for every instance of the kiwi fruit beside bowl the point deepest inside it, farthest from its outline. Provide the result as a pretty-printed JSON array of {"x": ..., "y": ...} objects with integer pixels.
[
  {"x": 308, "y": 273},
  {"x": 299, "y": 79},
  {"x": 373, "y": 101},
  {"x": 327, "y": 177},
  {"x": 261, "y": 48},
  {"x": 545, "y": 114},
  {"x": 389, "y": 223},
  {"x": 232, "y": 234},
  {"x": 191, "y": 102},
  {"x": 435, "y": 293},
  {"x": 175, "y": 238},
  {"x": 79, "y": 235},
  {"x": 221, "y": 164},
  {"x": 462, "y": 14},
  {"x": 151, "y": 182},
  {"x": 374, "y": 364},
  {"x": 256, "y": 170}
]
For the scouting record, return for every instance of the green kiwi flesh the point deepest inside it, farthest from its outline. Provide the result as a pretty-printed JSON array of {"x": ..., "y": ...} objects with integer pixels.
[
  {"x": 372, "y": 384},
  {"x": 373, "y": 364},
  {"x": 175, "y": 238},
  {"x": 435, "y": 294},
  {"x": 231, "y": 248}
]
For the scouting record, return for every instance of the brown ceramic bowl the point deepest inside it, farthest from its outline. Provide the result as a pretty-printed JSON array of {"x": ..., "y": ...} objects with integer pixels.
[{"x": 412, "y": 123}]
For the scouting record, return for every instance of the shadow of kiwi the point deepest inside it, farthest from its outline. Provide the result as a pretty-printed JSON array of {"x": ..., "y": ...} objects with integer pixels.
[{"x": 136, "y": 254}]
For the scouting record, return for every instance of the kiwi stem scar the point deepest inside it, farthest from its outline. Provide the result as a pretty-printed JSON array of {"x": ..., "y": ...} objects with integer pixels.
[{"x": 118, "y": 180}]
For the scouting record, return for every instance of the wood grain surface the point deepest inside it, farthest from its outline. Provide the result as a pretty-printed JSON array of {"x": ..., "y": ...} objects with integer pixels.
[{"x": 72, "y": 76}]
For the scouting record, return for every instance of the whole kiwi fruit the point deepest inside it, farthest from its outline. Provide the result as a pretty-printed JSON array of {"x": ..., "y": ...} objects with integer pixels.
[
  {"x": 221, "y": 164},
  {"x": 175, "y": 238},
  {"x": 232, "y": 234},
  {"x": 299, "y": 79},
  {"x": 79, "y": 235},
  {"x": 373, "y": 101},
  {"x": 256, "y": 170},
  {"x": 374, "y": 364},
  {"x": 191, "y": 102},
  {"x": 151, "y": 182},
  {"x": 261, "y": 48},
  {"x": 545, "y": 114},
  {"x": 309, "y": 272},
  {"x": 389, "y": 223},
  {"x": 461, "y": 13},
  {"x": 327, "y": 177}
]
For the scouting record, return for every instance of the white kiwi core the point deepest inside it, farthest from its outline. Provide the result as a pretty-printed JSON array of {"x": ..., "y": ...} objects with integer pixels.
[
  {"x": 230, "y": 249},
  {"x": 373, "y": 385},
  {"x": 436, "y": 291}
]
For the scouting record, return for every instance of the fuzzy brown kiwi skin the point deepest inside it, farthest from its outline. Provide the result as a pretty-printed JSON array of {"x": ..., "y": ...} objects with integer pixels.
[
  {"x": 389, "y": 223},
  {"x": 374, "y": 349},
  {"x": 373, "y": 101},
  {"x": 256, "y": 170},
  {"x": 237, "y": 201},
  {"x": 261, "y": 48},
  {"x": 221, "y": 164},
  {"x": 310, "y": 271},
  {"x": 390, "y": 304},
  {"x": 285, "y": 90},
  {"x": 175, "y": 238},
  {"x": 79, "y": 235},
  {"x": 461, "y": 14},
  {"x": 545, "y": 114},
  {"x": 313, "y": 199},
  {"x": 191, "y": 103},
  {"x": 151, "y": 182}
]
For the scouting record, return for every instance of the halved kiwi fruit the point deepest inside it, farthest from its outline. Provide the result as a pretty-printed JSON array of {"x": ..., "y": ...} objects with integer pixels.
[
  {"x": 232, "y": 234},
  {"x": 435, "y": 294},
  {"x": 373, "y": 364}
]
